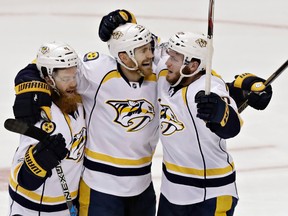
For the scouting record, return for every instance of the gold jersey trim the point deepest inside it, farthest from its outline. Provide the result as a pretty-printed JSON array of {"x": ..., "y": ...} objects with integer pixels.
[
  {"x": 200, "y": 172},
  {"x": 36, "y": 197},
  {"x": 117, "y": 161}
]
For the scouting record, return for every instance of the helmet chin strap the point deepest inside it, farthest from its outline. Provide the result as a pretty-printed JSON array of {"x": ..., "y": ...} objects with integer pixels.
[
  {"x": 53, "y": 85},
  {"x": 136, "y": 68},
  {"x": 182, "y": 75}
]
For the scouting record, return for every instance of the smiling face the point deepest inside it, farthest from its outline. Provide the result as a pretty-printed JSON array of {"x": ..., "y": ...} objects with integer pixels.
[
  {"x": 67, "y": 97},
  {"x": 65, "y": 80},
  {"x": 144, "y": 57}
]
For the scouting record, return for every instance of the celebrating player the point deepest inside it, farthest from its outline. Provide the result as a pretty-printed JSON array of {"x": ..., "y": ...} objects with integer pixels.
[
  {"x": 198, "y": 172},
  {"x": 35, "y": 188},
  {"x": 119, "y": 97}
]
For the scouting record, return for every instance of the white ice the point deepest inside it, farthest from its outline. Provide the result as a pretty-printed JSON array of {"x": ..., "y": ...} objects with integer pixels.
[{"x": 249, "y": 36}]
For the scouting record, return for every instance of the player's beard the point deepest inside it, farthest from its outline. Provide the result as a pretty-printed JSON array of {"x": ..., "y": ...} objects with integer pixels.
[
  {"x": 66, "y": 104},
  {"x": 145, "y": 71}
]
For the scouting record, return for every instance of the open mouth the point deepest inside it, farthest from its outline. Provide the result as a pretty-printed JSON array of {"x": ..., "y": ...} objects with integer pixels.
[{"x": 147, "y": 64}]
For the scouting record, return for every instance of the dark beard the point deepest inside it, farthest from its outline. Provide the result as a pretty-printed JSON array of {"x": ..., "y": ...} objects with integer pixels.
[{"x": 66, "y": 104}]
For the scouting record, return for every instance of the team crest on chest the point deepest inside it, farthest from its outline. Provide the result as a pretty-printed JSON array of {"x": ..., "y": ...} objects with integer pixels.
[
  {"x": 76, "y": 151},
  {"x": 133, "y": 114},
  {"x": 169, "y": 122}
]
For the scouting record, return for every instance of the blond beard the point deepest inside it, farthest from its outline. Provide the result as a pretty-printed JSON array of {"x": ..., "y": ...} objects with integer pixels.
[{"x": 66, "y": 104}]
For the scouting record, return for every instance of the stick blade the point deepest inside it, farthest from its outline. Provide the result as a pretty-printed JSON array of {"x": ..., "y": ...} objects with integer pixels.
[
  {"x": 21, "y": 127},
  {"x": 16, "y": 126}
]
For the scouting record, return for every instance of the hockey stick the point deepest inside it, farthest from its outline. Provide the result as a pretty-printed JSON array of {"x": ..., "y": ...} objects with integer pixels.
[
  {"x": 24, "y": 128},
  {"x": 209, "y": 47},
  {"x": 267, "y": 83}
]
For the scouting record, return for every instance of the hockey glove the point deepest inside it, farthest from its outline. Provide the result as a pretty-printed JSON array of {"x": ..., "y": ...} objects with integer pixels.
[
  {"x": 111, "y": 21},
  {"x": 43, "y": 157},
  {"x": 258, "y": 94},
  {"x": 33, "y": 99},
  {"x": 212, "y": 108}
]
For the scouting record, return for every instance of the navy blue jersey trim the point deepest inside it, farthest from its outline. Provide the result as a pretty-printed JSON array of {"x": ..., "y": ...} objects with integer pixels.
[
  {"x": 96, "y": 166},
  {"x": 196, "y": 182},
  {"x": 36, "y": 206}
]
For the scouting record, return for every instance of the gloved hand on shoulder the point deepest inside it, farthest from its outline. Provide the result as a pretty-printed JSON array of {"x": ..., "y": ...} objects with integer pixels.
[
  {"x": 112, "y": 20},
  {"x": 33, "y": 96}
]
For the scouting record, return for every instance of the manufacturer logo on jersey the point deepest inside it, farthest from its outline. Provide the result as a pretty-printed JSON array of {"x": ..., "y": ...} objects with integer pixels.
[
  {"x": 169, "y": 122},
  {"x": 77, "y": 145},
  {"x": 48, "y": 126},
  {"x": 133, "y": 114}
]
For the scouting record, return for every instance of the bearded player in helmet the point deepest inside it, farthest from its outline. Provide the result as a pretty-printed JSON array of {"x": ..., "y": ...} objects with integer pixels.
[
  {"x": 34, "y": 186},
  {"x": 120, "y": 100},
  {"x": 119, "y": 96}
]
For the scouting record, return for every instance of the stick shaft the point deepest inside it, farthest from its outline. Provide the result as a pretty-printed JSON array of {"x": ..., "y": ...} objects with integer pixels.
[
  {"x": 209, "y": 47},
  {"x": 23, "y": 128}
]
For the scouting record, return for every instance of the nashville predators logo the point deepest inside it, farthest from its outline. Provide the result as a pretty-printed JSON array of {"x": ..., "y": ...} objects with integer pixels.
[
  {"x": 201, "y": 42},
  {"x": 169, "y": 121},
  {"x": 44, "y": 49},
  {"x": 116, "y": 35},
  {"x": 133, "y": 114},
  {"x": 77, "y": 145}
]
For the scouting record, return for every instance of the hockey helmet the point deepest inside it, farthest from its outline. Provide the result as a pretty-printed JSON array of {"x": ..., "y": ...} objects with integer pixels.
[
  {"x": 191, "y": 45},
  {"x": 55, "y": 55},
  {"x": 126, "y": 38}
]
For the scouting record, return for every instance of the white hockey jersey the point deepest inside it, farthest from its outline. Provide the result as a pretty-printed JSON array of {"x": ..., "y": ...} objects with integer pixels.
[
  {"x": 48, "y": 199},
  {"x": 122, "y": 121},
  {"x": 196, "y": 164}
]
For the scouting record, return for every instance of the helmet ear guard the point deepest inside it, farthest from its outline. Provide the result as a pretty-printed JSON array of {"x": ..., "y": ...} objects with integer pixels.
[{"x": 126, "y": 38}]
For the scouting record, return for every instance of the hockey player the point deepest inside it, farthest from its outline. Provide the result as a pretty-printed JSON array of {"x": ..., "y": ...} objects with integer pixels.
[
  {"x": 198, "y": 173},
  {"x": 34, "y": 186},
  {"x": 119, "y": 97},
  {"x": 246, "y": 86}
]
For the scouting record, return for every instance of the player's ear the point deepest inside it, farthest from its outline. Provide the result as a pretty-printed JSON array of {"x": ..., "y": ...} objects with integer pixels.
[
  {"x": 191, "y": 67},
  {"x": 194, "y": 64},
  {"x": 124, "y": 57},
  {"x": 48, "y": 80}
]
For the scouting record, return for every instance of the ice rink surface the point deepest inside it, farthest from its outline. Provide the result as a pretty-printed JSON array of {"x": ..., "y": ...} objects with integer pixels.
[{"x": 249, "y": 36}]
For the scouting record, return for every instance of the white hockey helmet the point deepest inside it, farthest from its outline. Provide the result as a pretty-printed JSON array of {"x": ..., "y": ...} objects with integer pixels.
[
  {"x": 55, "y": 55},
  {"x": 126, "y": 38},
  {"x": 191, "y": 45}
]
